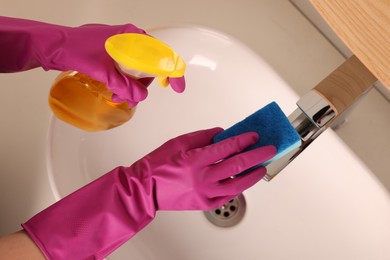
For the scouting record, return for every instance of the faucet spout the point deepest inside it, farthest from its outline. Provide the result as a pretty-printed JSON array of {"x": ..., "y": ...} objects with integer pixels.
[{"x": 324, "y": 105}]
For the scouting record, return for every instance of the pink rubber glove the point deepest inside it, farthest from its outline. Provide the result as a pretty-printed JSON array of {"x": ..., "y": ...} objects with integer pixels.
[
  {"x": 185, "y": 173},
  {"x": 26, "y": 44}
]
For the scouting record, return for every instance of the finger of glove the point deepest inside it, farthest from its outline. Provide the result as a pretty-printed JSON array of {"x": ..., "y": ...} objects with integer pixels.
[
  {"x": 130, "y": 28},
  {"x": 146, "y": 81},
  {"x": 195, "y": 140},
  {"x": 240, "y": 162},
  {"x": 132, "y": 103},
  {"x": 105, "y": 31},
  {"x": 182, "y": 144},
  {"x": 126, "y": 89},
  {"x": 226, "y": 148},
  {"x": 177, "y": 84},
  {"x": 216, "y": 202},
  {"x": 235, "y": 186},
  {"x": 117, "y": 99}
]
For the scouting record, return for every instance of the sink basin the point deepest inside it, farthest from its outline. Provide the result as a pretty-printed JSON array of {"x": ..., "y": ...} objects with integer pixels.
[{"x": 324, "y": 205}]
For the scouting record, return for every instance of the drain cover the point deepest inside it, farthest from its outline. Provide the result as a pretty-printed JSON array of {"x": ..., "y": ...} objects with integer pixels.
[{"x": 229, "y": 214}]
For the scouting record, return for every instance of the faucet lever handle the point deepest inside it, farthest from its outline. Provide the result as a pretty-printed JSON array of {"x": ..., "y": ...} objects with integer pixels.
[{"x": 346, "y": 84}]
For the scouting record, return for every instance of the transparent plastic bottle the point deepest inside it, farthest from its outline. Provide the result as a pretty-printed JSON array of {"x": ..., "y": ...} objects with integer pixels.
[{"x": 86, "y": 103}]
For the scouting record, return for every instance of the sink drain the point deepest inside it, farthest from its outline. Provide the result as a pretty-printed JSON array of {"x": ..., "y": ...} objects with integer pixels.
[{"x": 229, "y": 214}]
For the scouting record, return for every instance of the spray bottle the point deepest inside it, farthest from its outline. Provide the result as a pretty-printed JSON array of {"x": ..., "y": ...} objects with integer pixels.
[{"x": 87, "y": 104}]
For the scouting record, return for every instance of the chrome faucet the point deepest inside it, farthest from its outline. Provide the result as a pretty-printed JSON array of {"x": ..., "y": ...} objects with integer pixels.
[{"x": 326, "y": 105}]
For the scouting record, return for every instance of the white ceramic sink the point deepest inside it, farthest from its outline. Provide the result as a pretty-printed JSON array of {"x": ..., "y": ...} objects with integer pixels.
[{"x": 325, "y": 205}]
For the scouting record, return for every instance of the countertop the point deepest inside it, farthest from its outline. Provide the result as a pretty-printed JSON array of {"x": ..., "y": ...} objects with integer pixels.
[
  {"x": 362, "y": 25},
  {"x": 274, "y": 29}
]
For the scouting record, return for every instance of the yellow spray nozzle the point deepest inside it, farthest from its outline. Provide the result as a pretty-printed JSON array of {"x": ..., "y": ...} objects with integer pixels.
[
  {"x": 163, "y": 81},
  {"x": 147, "y": 55}
]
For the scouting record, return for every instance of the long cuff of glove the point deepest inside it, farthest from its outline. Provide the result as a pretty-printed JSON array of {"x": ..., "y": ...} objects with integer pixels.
[
  {"x": 18, "y": 48},
  {"x": 95, "y": 220}
]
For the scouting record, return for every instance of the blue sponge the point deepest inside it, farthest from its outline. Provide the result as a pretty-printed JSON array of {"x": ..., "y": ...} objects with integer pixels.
[{"x": 273, "y": 128}]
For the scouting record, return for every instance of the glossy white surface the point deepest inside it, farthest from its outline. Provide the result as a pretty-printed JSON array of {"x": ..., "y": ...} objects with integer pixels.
[{"x": 325, "y": 205}]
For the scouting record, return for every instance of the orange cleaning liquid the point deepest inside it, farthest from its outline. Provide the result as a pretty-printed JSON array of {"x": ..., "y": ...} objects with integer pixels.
[{"x": 86, "y": 103}]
